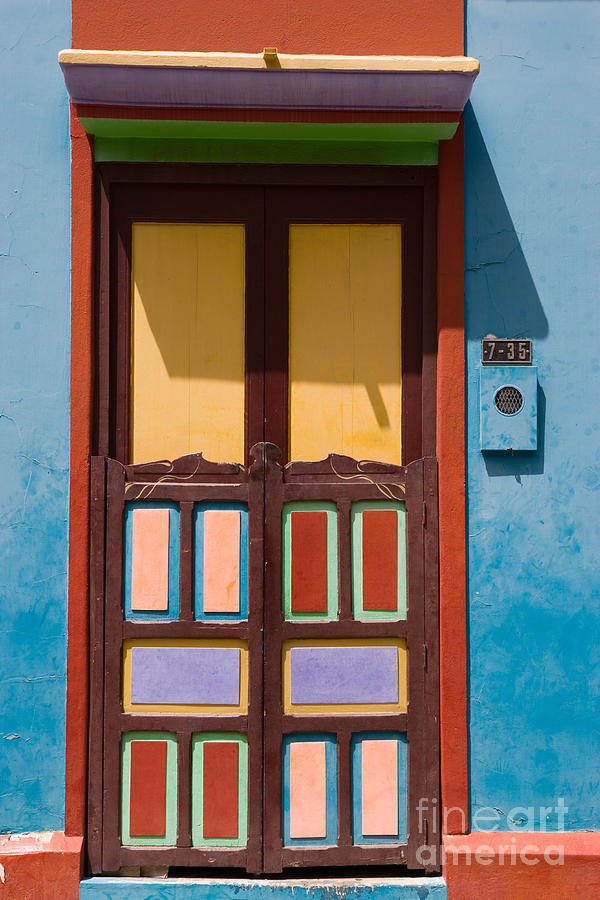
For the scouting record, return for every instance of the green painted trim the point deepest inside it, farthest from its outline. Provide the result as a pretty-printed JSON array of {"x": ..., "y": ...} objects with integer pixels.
[
  {"x": 170, "y": 836},
  {"x": 286, "y": 152},
  {"x": 351, "y": 132},
  {"x": 332, "y": 561},
  {"x": 364, "y": 615},
  {"x": 198, "y": 741}
]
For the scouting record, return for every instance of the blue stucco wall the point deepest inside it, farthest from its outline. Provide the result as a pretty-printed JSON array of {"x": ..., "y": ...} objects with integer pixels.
[
  {"x": 34, "y": 362},
  {"x": 532, "y": 260}
]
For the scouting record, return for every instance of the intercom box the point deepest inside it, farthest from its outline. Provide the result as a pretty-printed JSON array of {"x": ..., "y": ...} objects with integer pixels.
[{"x": 508, "y": 407}]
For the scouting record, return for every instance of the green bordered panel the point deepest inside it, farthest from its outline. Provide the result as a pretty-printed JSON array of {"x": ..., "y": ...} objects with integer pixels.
[
  {"x": 310, "y": 561},
  {"x": 378, "y": 560},
  {"x": 149, "y": 789},
  {"x": 219, "y": 790}
]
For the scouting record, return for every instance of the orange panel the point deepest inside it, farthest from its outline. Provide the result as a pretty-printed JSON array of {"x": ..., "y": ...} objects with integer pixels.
[
  {"x": 150, "y": 559},
  {"x": 221, "y": 561},
  {"x": 308, "y": 789},
  {"x": 380, "y": 787}
]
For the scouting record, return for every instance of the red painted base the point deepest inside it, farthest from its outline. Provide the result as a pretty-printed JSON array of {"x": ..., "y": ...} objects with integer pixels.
[
  {"x": 41, "y": 866},
  {"x": 510, "y": 866}
]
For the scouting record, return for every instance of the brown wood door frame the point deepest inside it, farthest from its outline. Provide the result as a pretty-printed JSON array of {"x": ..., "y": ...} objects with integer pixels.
[{"x": 265, "y": 486}]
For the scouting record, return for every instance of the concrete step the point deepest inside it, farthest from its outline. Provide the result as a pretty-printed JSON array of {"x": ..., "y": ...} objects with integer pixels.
[{"x": 262, "y": 889}]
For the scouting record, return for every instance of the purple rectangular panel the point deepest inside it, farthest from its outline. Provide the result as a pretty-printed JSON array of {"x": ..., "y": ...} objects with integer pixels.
[
  {"x": 344, "y": 674},
  {"x": 189, "y": 86},
  {"x": 203, "y": 675}
]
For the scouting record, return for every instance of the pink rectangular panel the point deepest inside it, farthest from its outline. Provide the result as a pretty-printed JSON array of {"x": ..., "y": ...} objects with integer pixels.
[
  {"x": 308, "y": 790},
  {"x": 150, "y": 559},
  {"x": 221, "y": 561},
  {"x": 380, "y": 787}
]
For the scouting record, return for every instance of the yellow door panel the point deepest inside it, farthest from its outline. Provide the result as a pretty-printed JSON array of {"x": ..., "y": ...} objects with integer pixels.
[
  {"x": 187, "y": 381},
  {"x": 345, "y": 357}
]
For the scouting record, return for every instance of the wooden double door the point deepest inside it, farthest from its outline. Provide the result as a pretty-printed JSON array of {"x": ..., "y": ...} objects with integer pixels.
[{"x": 264, "y": 533}]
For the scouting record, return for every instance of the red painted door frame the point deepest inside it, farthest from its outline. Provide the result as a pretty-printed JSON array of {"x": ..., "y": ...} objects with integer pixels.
[{"x": 449, "y": 427}]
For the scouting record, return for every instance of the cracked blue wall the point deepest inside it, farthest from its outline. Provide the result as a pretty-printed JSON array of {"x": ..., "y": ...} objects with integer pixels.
[
  {"x": 34, "y": 365},
  {"x": 532, "y": 260}
]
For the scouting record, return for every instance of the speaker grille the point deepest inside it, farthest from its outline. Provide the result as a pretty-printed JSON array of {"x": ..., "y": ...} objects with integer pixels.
[{"x": 508, "y": 400}]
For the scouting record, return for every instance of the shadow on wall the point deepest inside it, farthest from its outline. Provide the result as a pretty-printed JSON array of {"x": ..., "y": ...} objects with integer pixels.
[{"x": 503, "y": 299}]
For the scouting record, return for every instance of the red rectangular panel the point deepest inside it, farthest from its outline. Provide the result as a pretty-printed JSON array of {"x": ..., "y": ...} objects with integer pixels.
[
  {"x": 148, "y": 789},
  {"x": 380, "y": 559},
  {"x": 309, "y": 561},
  {"x": 220, "y": 789}
]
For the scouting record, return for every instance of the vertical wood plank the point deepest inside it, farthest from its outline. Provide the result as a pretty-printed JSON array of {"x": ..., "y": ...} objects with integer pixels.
[
  {"x": 115, "y": 490},
  {"x": 273, "y": 487},
  {"x": 432, "y": 665},
  {"x": 96, "y": 728},
  {"x": 103, "y": 392},
  {"x": 186, "y": 561},
  {"x": 120, "y": 375},
  {"x": 254, "y": 405},
  {"x": 344, "y": 788},
  {"x": 429, "y": 314},
  {"x": 184, "y": 790},
  {"x": 277, "y": 210},
  {"x": 344, "y": 509},
  {"x": 412, "y": 334},
  {"x": 417, "y": 824},
  {"x": 256, "y": 614}
]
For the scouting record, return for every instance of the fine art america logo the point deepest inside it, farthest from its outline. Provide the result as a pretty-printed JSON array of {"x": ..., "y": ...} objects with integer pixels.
[{"x": 486, "y": 819}]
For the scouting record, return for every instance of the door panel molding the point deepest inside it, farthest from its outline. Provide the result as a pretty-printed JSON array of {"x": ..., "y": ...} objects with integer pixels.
[{"x": 269, "y": 723}]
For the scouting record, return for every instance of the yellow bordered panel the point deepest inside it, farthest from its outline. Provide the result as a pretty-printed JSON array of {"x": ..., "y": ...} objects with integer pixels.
[
  {"x": 183, "y": 677},
  {"x": 321, "y": 677}
]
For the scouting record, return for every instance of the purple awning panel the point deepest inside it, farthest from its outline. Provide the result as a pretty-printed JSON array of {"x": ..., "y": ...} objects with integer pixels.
[{"x": 169, "y": 85}]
